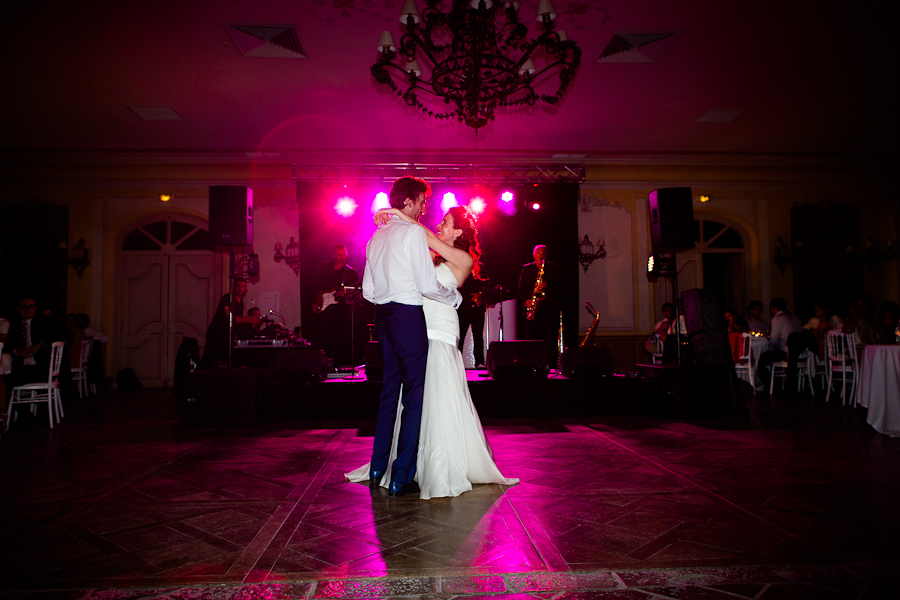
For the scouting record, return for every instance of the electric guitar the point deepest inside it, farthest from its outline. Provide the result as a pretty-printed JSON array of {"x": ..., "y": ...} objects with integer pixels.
[{"x": 326, "y": 298}]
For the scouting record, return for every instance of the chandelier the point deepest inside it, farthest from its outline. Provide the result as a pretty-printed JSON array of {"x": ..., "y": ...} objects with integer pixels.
[{"x": 486, "y": 61}]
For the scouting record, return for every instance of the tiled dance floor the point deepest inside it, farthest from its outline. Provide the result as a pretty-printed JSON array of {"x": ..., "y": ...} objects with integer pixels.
[{"x": 786, "y": 500}]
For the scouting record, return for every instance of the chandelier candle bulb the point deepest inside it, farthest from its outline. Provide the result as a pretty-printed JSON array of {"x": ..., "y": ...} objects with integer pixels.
[
  {"x": 527, "y": 67},
  {"x": 386, "y": 43},
  {"x": 410, "y": 10},
  {"x": 546, "y": 9}
]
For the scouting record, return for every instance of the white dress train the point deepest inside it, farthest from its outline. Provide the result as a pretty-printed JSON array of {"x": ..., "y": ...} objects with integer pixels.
[{"x": 453, "y": 451}]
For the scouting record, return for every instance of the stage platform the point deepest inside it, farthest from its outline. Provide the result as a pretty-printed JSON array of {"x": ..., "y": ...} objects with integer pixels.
[{"x": 284, "y": 398}]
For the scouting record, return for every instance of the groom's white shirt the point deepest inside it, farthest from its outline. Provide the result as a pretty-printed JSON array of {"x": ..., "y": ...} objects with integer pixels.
[{"x": 399, "y": 267}]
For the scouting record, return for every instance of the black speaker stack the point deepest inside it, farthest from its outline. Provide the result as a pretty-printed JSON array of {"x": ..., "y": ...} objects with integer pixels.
[
  {"x": 517, "y": 359},
  {"x": 230, "y": 215},
  {"x": 672, "y": 218}
]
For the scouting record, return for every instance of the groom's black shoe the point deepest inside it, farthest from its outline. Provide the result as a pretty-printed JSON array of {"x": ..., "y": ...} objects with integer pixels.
[
  {"x": 375, "y": 476},
  {"x": 397, "y": 489}
]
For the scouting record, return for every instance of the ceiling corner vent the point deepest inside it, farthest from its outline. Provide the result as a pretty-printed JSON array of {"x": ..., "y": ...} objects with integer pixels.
[
  {"x": 266, "y": 41},
  {"x": 636, "y": 47}
]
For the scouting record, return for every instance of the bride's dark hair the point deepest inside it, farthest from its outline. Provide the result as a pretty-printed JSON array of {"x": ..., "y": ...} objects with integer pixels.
[{"x": 467, "y": 240}]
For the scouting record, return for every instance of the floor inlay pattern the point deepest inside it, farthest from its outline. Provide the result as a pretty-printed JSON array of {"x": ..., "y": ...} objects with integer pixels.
[{"x": 120, "y": 501}]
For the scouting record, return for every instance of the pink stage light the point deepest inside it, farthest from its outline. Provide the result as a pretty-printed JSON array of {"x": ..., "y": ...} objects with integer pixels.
[
  {"x": 477, "y": 205},
  {"x": 449, "y": 201},
  {"x": 536, "y": 206},
  {"x": 381, "y": 201},
  {"x": 345, "y": 206},
  {"x": 507, "y": 196}
]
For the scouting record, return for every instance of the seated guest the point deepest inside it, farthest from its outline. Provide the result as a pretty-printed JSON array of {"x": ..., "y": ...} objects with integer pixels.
[
  {"x": 823, "y": 322},
  {"x": 737, "y": 327},
  {"x": 90, "y": 333},
  {"x": 861, "y": 322},
  {"x": 754, "y": 322},
  {"x": 666, "y": 330},
  {"x": 783, "y": 325},
  {"x": 888, "y": 317}
]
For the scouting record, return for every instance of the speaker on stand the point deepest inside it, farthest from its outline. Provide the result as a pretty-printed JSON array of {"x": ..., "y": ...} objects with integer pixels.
[
  {"x": 230, "y": 225},
  {"x": 672, "y": 227}
]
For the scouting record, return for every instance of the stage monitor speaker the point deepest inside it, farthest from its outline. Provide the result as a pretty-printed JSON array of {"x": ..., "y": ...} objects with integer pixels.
[
  {"x": 672, "y": 218},
  {"x": 230, "y": 215},
  {"x": 583, "y": 363},
  {"x": 374, "y": 361},
  {"x": 220, "y": 398},
  {"x": 517, "y": 359},
  {"x": 302, "y": 362}
]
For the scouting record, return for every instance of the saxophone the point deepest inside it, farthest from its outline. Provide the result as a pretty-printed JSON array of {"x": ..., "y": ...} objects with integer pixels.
[
  {"x": 589, "y": 336},
  {"x": 536, "y": 295}
]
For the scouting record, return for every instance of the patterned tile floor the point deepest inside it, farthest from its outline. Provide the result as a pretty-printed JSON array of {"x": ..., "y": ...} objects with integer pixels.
[{"x": 788, "y": 499}]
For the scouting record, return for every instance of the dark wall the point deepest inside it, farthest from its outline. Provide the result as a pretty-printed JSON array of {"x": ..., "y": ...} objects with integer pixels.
[
  {"x": 31, "y": 261},
  {"x": 824, "y": 271}
]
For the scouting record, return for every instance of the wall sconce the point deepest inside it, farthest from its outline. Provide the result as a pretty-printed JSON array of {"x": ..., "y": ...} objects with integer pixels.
[
  {"x": 586, "y": 254},
  {"x": 782, "y": 255},
  {"x": 873, "y": 254},
  {"x": 80, "y": 257},
  {"x": 290, "y": 255},
  {"x": 703, "y": 199}
]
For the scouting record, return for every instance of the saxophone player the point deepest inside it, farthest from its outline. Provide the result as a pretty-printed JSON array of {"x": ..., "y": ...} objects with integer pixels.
[{"x": 539, "y": 300}]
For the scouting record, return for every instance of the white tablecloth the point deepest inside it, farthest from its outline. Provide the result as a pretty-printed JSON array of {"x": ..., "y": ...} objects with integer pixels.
[
  {"x": 879, "y": 388},
  {"x": 757, "y": 347}
]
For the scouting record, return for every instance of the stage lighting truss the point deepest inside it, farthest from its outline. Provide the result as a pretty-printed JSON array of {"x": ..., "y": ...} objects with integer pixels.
[
  {"x": 660, "y": 266},
  {"x": 503, "y": 174}
]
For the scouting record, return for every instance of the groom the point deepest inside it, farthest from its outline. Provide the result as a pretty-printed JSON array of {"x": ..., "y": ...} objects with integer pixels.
[{"x": 399, "y": 271}]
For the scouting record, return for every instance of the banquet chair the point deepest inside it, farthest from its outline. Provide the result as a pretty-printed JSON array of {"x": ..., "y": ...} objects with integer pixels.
[
  {"x": 840, "y": 352},
  {"x": 35, "y": 393},
  {"x": 80, "y": 373},
  {"x": 744, "y": 366},
  {"x": 780, "y": 369}
]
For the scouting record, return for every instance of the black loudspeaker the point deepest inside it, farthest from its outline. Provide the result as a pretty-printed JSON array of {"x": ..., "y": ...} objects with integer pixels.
[
  {"x": 374, "y": 361},
  {"x": 517, "y": 359},
  {"x": 706, "y": 329},
  {"x": 672, "y": 218},
  {"x": 591, "y": 361},
  {"x": 305, "y": 363},
  {"x": 220, "y": 398},
  {"x": 230, "y": 215}
]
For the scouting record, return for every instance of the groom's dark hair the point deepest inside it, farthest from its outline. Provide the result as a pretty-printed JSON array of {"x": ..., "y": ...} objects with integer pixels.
[{"x": 408, "y": 187}]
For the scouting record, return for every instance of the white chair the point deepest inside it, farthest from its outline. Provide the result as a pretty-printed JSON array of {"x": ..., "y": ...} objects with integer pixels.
[
  {"x": 744, "y": 365},
  {"x": 780, "y": 369},
  {"x": 35, "y": 393},
  {"x": 80, "y": 373},
  {"x": 840, "y": 353}
]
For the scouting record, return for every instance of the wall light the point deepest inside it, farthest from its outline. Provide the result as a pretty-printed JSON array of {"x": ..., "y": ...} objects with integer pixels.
[
  {"x": 703, "y": 199},
  {"x": 165, "y": 197}
]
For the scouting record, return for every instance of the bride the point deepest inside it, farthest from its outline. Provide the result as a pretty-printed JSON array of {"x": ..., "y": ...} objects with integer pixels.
[{"x": 453, "y": 451}]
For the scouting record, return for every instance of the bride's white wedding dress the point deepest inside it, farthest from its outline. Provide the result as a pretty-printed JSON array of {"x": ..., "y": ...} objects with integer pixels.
[{"x": 453, "y": 452}]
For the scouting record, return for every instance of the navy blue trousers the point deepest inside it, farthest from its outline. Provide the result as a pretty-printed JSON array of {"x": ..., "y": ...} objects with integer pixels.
[{"x": 400, "y": 329}]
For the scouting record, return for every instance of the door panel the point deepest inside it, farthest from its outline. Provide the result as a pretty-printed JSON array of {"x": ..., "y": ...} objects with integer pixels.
[
  {"x": 192, "y": 300},
  {"x": 143, "y": 318}
]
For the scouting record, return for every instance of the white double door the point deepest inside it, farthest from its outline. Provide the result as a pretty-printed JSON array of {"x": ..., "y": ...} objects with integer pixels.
[{"x": 162, "y": 299}]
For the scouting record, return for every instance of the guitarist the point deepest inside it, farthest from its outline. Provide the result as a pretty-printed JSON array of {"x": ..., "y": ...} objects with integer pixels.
[
  {"x": 666, "y": 331},
  {"x": 333, "y": 322}
]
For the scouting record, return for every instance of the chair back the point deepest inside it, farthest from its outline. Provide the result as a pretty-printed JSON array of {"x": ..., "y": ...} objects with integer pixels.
[
  {"x": 86, "y": 347},
  {"x": 840, "y": 350},
  {"x": 56, "y": 355},
  {"x": 746, "y": 348}
]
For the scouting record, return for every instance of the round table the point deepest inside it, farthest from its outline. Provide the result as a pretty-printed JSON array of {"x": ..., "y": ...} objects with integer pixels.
[{"x": 879, "y": 387}]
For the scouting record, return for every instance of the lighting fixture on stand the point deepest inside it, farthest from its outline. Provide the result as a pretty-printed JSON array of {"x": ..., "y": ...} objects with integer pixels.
[
  {"x": 290, "y": 255},
  {"x": 484, "y": 62},
  {"x": 586, "y": 254}
]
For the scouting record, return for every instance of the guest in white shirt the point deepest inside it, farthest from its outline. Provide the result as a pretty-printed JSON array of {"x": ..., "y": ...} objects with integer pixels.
[
  {"x": 399, "y": 272},
  {"x": 783, "y": 325}
]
